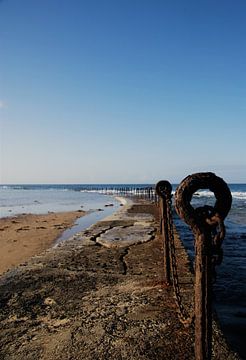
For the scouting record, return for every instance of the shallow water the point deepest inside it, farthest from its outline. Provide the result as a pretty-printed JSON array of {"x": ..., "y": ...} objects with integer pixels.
[
  {"x": 89, "y": 219},
  {"x": 14, "y": 201}
]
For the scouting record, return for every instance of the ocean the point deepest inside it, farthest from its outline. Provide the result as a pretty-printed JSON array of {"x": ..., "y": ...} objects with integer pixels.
[{"x": 230, "y": 287}]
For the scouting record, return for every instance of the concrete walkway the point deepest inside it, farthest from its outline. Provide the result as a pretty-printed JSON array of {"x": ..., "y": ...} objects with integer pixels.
[{"x": 99, "y": 295}]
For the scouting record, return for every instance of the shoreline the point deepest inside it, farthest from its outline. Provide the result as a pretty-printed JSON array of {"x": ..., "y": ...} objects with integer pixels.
[
  {"x": 24, "y": 236},
  {"x": 91, "y": 218}
]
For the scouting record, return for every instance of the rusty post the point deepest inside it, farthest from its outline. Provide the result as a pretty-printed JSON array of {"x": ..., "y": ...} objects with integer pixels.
[
  {"x": 164, "y": 191},
  {"x": 203, "y": 222},
  {"x": 203, "y": 297}
]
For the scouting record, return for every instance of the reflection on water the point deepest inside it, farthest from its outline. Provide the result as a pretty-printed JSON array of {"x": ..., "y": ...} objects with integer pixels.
[{"x": 85, "y": 221}]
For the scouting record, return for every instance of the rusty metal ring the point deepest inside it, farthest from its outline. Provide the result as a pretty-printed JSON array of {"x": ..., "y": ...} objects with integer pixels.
[
  {"x": 163, "y": 187},
  {"x": 190, "y": 185}
]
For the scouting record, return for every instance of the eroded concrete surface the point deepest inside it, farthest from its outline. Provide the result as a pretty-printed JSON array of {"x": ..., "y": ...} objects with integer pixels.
[{"x": 100, "y": 295}]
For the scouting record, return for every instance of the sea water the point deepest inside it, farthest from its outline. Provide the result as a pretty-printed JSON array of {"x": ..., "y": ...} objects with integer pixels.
[
  {"x": 41, "y": 199},
  {"x": 230, "y": 287}
]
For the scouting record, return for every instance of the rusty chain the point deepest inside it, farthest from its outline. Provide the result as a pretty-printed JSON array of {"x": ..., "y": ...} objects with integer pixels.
[
  {"x": 164, "y": 191},
  {"x": 215, "y": 225},
  {"x": 210, "y": 219},
  {"x": 185, "y": 316}
]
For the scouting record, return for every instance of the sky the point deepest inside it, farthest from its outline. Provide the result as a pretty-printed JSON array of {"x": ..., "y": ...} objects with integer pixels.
[{"x": 122, "y": 91}]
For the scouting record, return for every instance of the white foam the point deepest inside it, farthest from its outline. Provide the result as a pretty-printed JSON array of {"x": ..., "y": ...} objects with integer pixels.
[
  {"x": 241, "y": 195},
  {"x": 122, "y": 200}
]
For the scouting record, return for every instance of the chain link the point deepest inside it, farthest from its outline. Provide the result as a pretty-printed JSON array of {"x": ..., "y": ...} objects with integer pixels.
[
  {"x": 215, "y": 226},
  {"x": 217, "y": 229},
  {"x": 185, "y": 316}
]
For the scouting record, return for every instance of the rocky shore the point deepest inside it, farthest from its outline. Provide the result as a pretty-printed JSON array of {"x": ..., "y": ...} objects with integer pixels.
[{"x": 100, "y": 295}]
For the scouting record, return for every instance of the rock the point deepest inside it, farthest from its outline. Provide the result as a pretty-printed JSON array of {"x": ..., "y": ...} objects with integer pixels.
[{"x": 49, "y": 301}]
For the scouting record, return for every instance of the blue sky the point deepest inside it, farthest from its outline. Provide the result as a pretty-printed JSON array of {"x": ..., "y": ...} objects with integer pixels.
[{"x": 122, "y": 91}]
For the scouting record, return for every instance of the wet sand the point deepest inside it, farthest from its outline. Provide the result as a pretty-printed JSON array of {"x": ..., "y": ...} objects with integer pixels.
[{"x": 24, "y": 236}]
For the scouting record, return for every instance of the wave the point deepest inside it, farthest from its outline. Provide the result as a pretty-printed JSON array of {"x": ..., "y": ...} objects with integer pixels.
[
  {"x": 11, "y": 187},
  {"x": 37, "y": 187},
  {"x": 134, "y": 189},
  {"x": 240, "y": 195}
]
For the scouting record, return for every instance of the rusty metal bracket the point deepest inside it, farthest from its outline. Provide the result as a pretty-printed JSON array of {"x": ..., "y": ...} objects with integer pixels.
[
  {"x": 163, "y": 187},
  {"x": 207, "y": 225},
  {"x": 189, "y": 186}
]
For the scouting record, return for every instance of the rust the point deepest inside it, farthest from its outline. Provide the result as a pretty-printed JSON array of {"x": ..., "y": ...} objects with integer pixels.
[
  {"x": 189, "y": 186},
  {"x": 207, "y": 225},
  {"x": 164, "y": 191},
  {"x": 163, "y": 187}
]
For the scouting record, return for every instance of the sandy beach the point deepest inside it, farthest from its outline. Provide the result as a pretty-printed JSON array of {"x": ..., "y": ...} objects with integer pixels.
[{"x": 24, "y": 236}]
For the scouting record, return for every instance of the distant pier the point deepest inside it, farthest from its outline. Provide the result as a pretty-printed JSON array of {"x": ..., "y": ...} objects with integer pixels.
[{"x": 146, "y": 192}]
